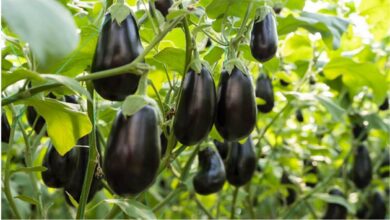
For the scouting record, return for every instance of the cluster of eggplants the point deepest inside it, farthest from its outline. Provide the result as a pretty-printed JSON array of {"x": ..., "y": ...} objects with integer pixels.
[
  {"x": 264, "y": 38},
  {"x": 195, "y": 114},
  {"x": 68, "y": 171},
  {"x": 291, "y": 194},
  {"x": 133, "y": 152},
  {"x": 240, "y": 163},
  {"x": 211, "y": 176},
  {"x": 118, "y": 44},
  {"x": 5, "y": 128},
  {"x": 361, "y": 173},
  {"x": 236, "y": 105},
  {"x": 265, "y": 91},
  {"x": 36, "y": 121},
  {"x": 334, "y": 210}
]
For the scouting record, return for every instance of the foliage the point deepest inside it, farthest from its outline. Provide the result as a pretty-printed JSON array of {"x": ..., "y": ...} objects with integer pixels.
[{"x": 334, "y": 56}]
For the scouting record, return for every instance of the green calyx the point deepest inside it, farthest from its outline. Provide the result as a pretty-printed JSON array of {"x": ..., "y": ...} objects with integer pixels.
[
  {"x": 235, "y": 62},
  {"x": 119, "y": 11},
  {"x": 262, "y": 12}
]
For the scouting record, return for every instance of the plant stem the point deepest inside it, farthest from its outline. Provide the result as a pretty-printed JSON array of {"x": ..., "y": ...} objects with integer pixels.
[
  {"x": 168, "y": 198},
  {"x": 92, "y": 157},
  {"x": 131, "y": 67},
  {"x": 7, "y": 171},
  {"x": 114, "y": 211},
  {"x": 233, "y": 209},
  {"x": 201, "y": 206}
]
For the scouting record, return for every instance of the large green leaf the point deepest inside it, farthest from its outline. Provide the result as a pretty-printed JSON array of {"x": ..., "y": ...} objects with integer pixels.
[
  {"x": 331, "y": 28},
  {"x": 297, "y": 47},
  {"x": 377, "y": 15},
  {"x": 172, "y": 57},
  {"x": 335, "y": 199},
  {"x": 46, "y": 25},
  {"x": 65, "y": 124},
  {"x": 133, "y": 208},
  {"x": 334, "y": 109},
  {"x": 8, "y": 79},
  {"x": 356, "y": 75}
]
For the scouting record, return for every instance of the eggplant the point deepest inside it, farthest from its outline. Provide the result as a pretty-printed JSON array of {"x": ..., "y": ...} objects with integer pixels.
[
  {"x": 60, "y": 169},
  {"x": 334, "y": 210},
  {"x": 211, "y": 176},
  {"x": 236, "y": 106},
  {"x": 385, "y": 105},
  {"x": 5, "y": 128},
  {"x": 133, "y": 152},
  {"x": 362, "y": 167},
  {"x": 163, "y": 6},
  {"x": 292, "y": 195},
  {"x": 240, "y": 163},
  {"x": 118, "y": 44},
  {"x": 378, "y": 207},
  {"x": 265, "y": 91},
  {"x": 283, "y": 83},
  {"x": 299, "y": 115},
  {"x": 264, "y": 38},
  {"x": 223, "y": 148},
  {"x": 195, "y": 114}
]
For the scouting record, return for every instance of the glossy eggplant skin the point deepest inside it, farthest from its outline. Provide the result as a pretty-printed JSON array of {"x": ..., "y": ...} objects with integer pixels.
[
  {"x": 133, "y": 152},
  {"x": 299, "y": 115},
  {"x": 385, "y": 105},
  {"x": 236, "y": 106},
  {"x": 211, "y": 176},
  {"x": 362, "y": 167},
  {"x": 334, "y": 210},
  {"x": 265, "y": 91},
  {"x": 117, "y": 45},
  {"x": 75, "y": 184},
  {"x": 378, "y": 207},
  {"x": 223, "y": 148},
  {"x": 264, "y": 38},
  {"x": 5, "y": 128},
  {"x": 60, "y": 169},
  {"x": 195, "y": 114},
  {"x": 292, "y": 195},
  {"x": 241, "y": 163},
  {"x": 163, "y": 6}
]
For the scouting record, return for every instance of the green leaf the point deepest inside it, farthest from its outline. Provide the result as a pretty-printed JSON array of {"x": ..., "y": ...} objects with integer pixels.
[
  {"x": 172, "y": 57},
  {"x": 356, "y": 75},
  {"x": 46, "y": 25},
  {"x": 30, "y": 169},
  {"x": 214, "y": 55},
  {"x": 331, "y": 28},
  {"x": 133, "y": 104},
  {"x": 376, "y": 122},
  {"x": 377, "y": 15},
  {"x": 132, "y": 208},
  {"x": 297, "y": 47},
  {"x": 69, "y": 83},
  {"x": 8, "y": 79},
  {"x": 72, "y": 200},
  {"x": 27, "y": 199},
  {"x": 334, "y": 109},
  {"x": 65, "y": 124},
  {"x": 335, "y": 199},
  {"x": 119, "y": 12}
]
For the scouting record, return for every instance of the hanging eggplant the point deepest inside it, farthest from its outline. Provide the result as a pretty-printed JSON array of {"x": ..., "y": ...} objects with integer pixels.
[
  {"x": 265, "y": 91},
  {"x": 197, "y": 106},
  {"x": 236, "y": 108},
  {"x": 211, "y": 176},
  {"x": 5, "y": 128},
  {"x": 133, "y": 152},
  {"x": 222, "y": 148},
  {"x": 335, "y": 210},
  {"x": 362, "y": 167},
  {"x": 118, "y": 44}
]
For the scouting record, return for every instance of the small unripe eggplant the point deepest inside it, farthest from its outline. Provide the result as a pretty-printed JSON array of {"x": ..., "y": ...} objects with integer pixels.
[
  {"x": 211, "y": 176},
  {"x": 5, "y": 128},
  {"x": 265, "y": 91}
]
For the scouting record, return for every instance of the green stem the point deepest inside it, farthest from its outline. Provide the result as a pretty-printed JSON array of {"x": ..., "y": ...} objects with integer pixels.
[
  {"x": 249, "y": 201},
  {"x": 143, "y": 85},
  {"x": 168, "y": 198},
  {"x": 201, "y": 206},
  {"x": 7, "y": 171},
  {"x": 132, "y": 67},
  {"x": 92, "y": 157},
  {"x": 233, "y": 209},
  {"x": 114, "y": 211},
  {"x": 311, "y": 209}
]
